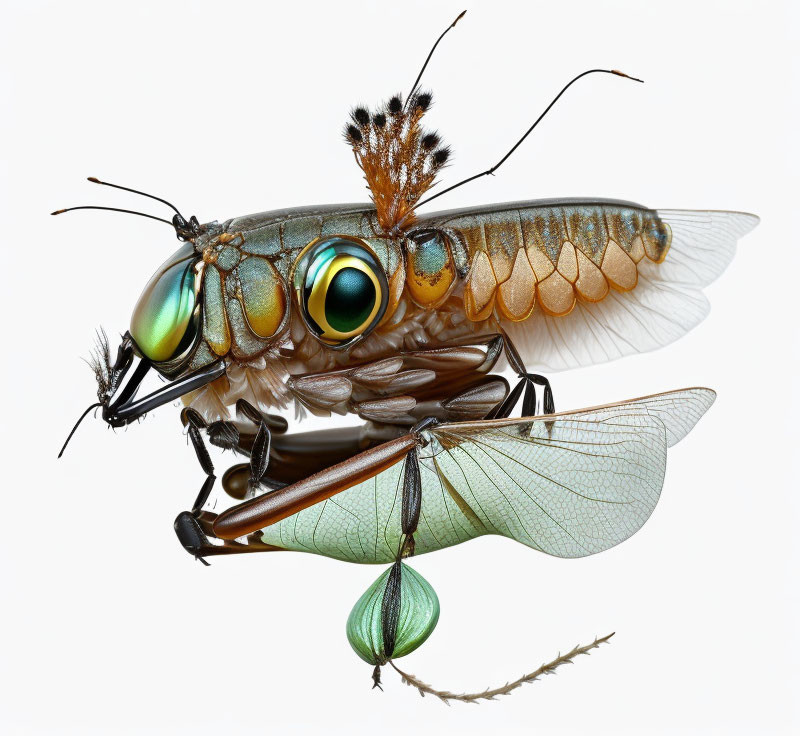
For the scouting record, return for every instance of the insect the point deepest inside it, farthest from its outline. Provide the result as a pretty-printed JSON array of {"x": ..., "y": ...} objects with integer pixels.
[{"x": 401, "y": 318}]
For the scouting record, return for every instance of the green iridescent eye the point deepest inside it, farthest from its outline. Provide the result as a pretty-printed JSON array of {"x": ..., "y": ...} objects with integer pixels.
[
  {"x": 341, "y": 289},
  {"x": 164, "y": 323}
]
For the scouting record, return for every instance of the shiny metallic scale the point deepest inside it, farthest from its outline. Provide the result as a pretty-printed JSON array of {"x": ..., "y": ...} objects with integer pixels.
[{"x": 400, "y": 318}]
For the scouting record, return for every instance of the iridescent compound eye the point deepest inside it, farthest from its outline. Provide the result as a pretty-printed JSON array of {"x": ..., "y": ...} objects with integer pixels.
[
  {"x": 164, "y": 321},
  {"x": 341, "y": 289}
]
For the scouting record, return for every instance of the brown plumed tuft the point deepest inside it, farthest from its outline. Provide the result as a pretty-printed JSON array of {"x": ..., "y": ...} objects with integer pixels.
[{"x": 400, "y": 160}]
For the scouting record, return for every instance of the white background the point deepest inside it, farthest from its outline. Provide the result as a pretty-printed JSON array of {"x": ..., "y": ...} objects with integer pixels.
[{"x": 108, "y": 626}]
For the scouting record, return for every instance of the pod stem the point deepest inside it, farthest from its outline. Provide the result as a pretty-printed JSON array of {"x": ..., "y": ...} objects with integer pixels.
[{"x": 546, "y": 669}]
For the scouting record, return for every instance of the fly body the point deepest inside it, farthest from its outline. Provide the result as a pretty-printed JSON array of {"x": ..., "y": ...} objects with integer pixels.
[
  {"x": 257, "y": 292},
  {"x": 400, "y": 317}
]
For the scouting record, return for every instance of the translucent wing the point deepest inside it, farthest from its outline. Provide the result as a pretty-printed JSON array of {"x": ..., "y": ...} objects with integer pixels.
[
  {"x": 570, "y": 485},
  {"x": 666, "y": 303}
]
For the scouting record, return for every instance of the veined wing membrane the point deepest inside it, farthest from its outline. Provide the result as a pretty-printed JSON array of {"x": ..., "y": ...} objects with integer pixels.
[
  {"x": 666, "y": 303},
  {"x": 678, "y": 410},
  {"x": 569, "y": 485},
  {"x": 573, "y": 489}
]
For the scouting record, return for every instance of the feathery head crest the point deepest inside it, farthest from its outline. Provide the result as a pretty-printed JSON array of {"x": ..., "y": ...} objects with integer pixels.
[{"x": 399, "y": 158}]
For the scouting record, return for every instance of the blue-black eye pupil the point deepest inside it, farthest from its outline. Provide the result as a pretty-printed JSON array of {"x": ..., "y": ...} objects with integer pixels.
[{"x": 350, "y": 299}]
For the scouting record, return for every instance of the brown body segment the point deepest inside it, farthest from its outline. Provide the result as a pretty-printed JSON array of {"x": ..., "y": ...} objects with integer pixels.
[{"x": 273, "y": 506}]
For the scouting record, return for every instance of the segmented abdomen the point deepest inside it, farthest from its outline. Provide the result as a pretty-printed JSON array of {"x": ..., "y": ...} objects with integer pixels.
[{"x": 520, "y": 257}]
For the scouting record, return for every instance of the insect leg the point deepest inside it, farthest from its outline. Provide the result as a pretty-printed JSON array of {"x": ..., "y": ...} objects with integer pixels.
[
  {"x": 194, "y": 532},
  {"x": 186, "y": 525},
  {"x": 409, "y": 519},
  {"x": 412, "y": 490},
  {"x": 528, "y": 382},
  {"x": 412, "y": 502},
  {"x": 259, "y": 454},
  {"x": 196, "y": 423},
  {"x": 193, "y": 527},
  {"x": 254, "y": 514},
  {"x": 243, "y": 480}
]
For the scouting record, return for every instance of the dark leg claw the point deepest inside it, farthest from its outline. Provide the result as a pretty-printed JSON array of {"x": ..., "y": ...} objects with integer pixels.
[{"x": 191, "y": 536}]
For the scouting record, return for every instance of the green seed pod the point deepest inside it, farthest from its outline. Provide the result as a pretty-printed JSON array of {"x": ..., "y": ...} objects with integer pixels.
[{"x": 400, "y": 606}]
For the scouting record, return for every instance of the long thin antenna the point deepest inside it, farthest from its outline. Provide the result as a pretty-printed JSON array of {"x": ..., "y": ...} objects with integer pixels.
[
  {"x": 421, "y": 71},
  {"x": 95, "y": 180},
  {"x": 77, "y": 424},
  {"x": 527, "y": 133},
  {"x": 112, "y": 209}
]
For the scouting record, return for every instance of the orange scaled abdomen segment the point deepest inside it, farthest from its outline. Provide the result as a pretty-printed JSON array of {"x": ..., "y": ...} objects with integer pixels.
[{"x": 549, "y": 257}]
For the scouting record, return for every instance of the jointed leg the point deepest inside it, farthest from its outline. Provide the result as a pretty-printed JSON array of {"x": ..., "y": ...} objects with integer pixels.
[
  {"x": 278, "y": 501},
  {"x": 259, "y": 453},
  {"x": 193, "y": 527},
  {"x": 528, "y": 382}
]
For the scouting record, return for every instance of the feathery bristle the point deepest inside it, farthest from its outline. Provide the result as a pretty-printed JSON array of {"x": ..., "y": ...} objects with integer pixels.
[
  {"x": 361, "y": 116},
  {"x": 423, "y": 101},
  {"x": 400, "y": 159},
  {"x": 430, "y": 141},
  {"x": 353, "y": 134},
  {"x": 441, "y": 156}
]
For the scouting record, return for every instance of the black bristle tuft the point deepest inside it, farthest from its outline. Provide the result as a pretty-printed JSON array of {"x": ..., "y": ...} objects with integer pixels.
[
  {"x": 361, "y": 116},
  {"x": 379, "y": 120},
  {"x": 423, "y": 101},
  {"x": 430, "y": 141},
  {"x": 441, "y": 156},
  {"x": 353, "y": 134},
  {"x": 395, "y": 105}
]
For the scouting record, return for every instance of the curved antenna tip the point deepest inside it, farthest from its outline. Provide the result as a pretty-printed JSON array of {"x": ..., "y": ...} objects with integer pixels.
[
  {"x": 57, "y": 212},
  {"x": 93, "y": 179},
  {"x": 430, "y": 54},
  {"x": 527, "y": 132},
  {"x": 77, "y": 424},
  {"x": 627, "y": 76}
]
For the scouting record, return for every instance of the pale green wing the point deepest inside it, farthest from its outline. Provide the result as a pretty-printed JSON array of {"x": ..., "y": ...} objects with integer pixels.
[
  {"x": 678, "y": 410},
  {"x": 571, "y": 485}
]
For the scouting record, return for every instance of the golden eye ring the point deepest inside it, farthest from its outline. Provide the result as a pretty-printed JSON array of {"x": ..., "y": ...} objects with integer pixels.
[{"x": 341, "y": 289}]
